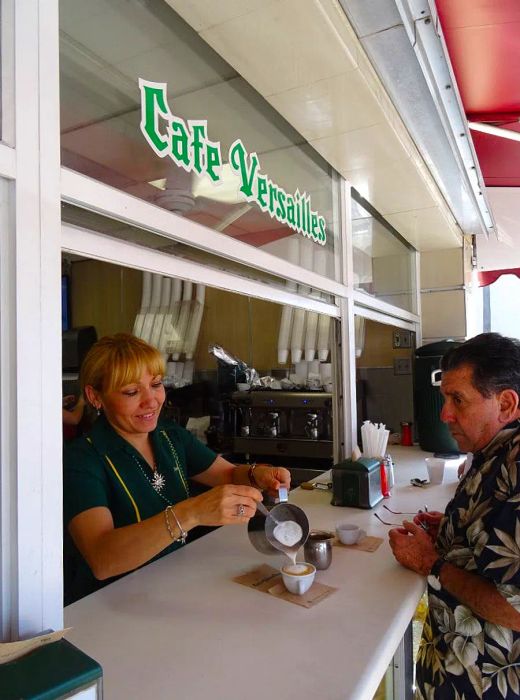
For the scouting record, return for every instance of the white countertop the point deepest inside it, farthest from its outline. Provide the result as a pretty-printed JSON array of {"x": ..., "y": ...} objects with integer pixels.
[{"x": 181, "y": 628}]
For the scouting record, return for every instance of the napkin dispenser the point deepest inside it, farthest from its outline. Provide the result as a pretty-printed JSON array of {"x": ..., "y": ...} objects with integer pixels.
[{"x": 356, "y": 483}]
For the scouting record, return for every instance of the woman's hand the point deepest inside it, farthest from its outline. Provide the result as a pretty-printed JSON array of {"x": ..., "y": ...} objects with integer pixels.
[
  {"x": 413, "y": 547},
  {"x": 432, "y": 520},
  {"x": 271, "y": 479},
  {"x": 229, "y": 504}
]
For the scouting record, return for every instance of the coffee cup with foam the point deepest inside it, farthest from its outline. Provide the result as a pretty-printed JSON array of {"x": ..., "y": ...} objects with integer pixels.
[{"x": 298, "y": 578}]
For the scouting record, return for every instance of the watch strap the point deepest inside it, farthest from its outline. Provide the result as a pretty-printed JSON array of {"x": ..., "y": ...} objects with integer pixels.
[
  {"x": 437, "y": 566},
  {"x": 251, "y": 476}
]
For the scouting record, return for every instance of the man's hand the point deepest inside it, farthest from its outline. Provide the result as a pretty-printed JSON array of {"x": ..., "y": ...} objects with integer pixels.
[
  {"x": 413, "y": 547},
  {"x": 431, "y": 520}
]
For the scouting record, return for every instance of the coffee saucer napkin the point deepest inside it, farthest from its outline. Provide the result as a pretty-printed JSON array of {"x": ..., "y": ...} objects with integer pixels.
[
  {"x": 368, "y": 543},
  {"x": 268, "y": 580}
]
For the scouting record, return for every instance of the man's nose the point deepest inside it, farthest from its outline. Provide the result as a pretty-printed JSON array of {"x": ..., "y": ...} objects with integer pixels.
[{"x": 446, "y": 413}]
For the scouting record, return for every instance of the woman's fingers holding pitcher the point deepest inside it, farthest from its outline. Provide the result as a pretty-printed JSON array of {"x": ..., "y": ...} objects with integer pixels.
[
  {"x": 271, "y": 478},
  {"x": 227, "y": 505}
]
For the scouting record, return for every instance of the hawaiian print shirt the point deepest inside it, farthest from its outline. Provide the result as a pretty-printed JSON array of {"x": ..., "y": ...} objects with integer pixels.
[{"x": 461, "y": 655}]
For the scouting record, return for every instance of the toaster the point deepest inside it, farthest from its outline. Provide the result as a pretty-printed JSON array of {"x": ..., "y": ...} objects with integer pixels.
[{"x": 356, "y": 483}]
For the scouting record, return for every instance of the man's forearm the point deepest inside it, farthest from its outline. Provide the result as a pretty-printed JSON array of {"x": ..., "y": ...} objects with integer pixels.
[{"x": 480, "y": 596}]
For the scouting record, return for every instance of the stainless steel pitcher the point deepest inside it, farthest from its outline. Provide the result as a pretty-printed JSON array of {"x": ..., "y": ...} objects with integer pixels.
[{"x": 261, "y": 526}]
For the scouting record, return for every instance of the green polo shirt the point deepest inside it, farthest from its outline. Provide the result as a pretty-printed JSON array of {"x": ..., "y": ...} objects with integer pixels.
[{"x": 103, "y": 469}]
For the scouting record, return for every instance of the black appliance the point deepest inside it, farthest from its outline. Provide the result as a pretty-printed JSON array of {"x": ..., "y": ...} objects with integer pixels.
[
  {"x": 287, "y": 424},
  {"x": 75, "y": 343}
]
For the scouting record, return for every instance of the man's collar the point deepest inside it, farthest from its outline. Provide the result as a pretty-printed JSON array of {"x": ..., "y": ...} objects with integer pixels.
[{"x": 500, "y": 438}]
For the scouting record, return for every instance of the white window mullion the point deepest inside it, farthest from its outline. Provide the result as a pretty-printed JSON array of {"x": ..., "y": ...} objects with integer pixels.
[
  {"x": 100, "y": 247},
  {"x": 83, "y": 191},
  {"x": 7, "y": 162},
  {"x": 36, "y": 543}
]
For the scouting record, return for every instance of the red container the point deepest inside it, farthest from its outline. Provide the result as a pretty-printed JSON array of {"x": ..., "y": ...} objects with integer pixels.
[
  {"x": 406, "y": 434},
  {"x": 384, "y": 480}
]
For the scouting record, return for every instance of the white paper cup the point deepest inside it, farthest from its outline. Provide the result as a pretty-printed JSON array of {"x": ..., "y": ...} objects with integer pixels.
[
  {"x": 435, "y": 467},
  {"x": 296, "y": 582}
]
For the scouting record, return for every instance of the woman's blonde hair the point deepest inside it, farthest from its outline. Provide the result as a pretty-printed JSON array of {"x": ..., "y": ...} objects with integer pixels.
[{"x": 117, "y": 360}]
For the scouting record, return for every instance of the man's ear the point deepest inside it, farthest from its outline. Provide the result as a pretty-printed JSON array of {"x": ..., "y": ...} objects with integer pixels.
[{"x": 509, "y": 405}]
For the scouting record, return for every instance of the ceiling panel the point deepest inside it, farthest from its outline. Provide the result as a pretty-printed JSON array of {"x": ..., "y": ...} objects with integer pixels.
[
  {"x": 292, "y": 35},
  {"x": 330, "y": 106}
]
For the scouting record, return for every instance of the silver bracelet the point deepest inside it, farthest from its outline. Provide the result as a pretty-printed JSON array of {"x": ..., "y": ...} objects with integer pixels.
[
  {"x": 167, "y": 522},
  {"x": 183, "y": 534}
]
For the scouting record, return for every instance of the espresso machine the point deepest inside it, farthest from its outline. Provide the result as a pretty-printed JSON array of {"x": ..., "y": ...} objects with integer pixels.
[{"x": 293, "y": 425}]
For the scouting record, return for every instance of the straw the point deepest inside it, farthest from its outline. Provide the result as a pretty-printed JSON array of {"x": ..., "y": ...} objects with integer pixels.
[{"x": 374, "y": 439}]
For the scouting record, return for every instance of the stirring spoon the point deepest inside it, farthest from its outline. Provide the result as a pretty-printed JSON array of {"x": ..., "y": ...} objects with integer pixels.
[{"x": 260, "y": 506}]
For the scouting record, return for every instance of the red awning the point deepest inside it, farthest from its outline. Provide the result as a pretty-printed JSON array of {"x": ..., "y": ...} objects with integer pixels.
[{"x": 490, "y": 276}]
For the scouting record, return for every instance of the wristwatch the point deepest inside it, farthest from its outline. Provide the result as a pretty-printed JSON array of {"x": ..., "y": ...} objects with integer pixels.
[
  {"x": 436, "y": 567},
  {"x": 251, "y": 476}
]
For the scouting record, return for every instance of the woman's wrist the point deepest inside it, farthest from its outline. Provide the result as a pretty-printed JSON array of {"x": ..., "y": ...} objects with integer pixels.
[
  {"x": 186, "y": 513},
  {"x": 251, "y": 477}
]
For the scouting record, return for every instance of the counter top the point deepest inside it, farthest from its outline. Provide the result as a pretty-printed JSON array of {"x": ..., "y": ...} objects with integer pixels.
[{"x": 180, "y": 627}]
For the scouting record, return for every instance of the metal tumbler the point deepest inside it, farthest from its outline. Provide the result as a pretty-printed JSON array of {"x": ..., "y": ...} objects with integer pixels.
[{"x": 318, "y": 548}]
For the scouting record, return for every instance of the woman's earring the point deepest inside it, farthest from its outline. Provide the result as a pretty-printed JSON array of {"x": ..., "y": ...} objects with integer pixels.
[{"x": 98, "y": 411}]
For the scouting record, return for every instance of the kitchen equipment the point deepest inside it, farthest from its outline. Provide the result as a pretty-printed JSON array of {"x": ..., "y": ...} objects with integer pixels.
[
  {"x": 245, "y": 428},
  {"x": 311, "y": 426},
  {"x": 356, "y": 483},
  {"x": 318, "y": 548},
  {"x": 288, "y": 424},
  {"x": 273, "y": 424},
  {"x": 261, "y": 526}
]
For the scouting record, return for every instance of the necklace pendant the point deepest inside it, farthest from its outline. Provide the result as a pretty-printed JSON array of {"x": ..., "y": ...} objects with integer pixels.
[{"x": 158, "y": 481}]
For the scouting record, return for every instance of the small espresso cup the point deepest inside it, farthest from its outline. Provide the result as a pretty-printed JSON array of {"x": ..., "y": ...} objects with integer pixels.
[
  {"x": 318, "y": 548},
  {"x": 298, "y": 578},
  {"x": 348, "y": 533},
  {"x": 435, "y": 467}
]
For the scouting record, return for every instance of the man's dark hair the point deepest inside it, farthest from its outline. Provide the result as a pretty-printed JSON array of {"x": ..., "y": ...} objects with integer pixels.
[{"x": 494, "y": 358}]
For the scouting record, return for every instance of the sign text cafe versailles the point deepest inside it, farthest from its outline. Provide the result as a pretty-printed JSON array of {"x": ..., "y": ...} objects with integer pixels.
[{"x": 187, "y": 144}]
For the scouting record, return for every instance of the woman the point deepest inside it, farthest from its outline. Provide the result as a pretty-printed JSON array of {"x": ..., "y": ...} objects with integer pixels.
[{"x": 126, "y": 483}]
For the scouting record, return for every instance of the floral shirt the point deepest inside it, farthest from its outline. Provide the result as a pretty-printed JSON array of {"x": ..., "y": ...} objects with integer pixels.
[{"x": 461, "y": 655}]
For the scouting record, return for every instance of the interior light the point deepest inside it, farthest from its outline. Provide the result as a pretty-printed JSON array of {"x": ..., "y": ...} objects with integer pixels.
[
  {"x": 495, "y": 130},
  {"x": 225, "y": 191},
  {"x": 160, "y": 184}
]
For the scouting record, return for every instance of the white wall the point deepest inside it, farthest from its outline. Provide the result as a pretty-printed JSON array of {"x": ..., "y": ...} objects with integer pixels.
[
  {"x": 503, "y": 297},
  {"x": 443, "y": 297}
]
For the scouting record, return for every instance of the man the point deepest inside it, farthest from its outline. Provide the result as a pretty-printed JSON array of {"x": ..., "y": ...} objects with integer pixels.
[{"x": 471, "y": 555}]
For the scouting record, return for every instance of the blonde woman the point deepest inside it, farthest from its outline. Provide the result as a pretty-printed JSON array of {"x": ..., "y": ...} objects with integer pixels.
[{"x": 127, "y": 483}]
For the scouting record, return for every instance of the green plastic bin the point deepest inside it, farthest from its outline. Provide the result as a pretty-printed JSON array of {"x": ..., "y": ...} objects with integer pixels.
[
  {"x": 53, "y": 671},
  {"x": 432, "y": 433}
]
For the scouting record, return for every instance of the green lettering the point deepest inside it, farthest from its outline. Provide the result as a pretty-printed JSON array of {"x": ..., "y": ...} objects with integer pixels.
[
  {"x": 261, "y": 191},
  {"x": 238, "y": 161},
  {"x": 280, "y": 209},
  {"x": 314, "y": 217},
  {"x": 323, "y": 236},
  {"x": 273, "y": 190},
  {"x": 198, "y": 143},
  {"x": 213, "y": 159},
  {"x": 298, "y": 210},
  {"x": 290, "y": 211},
  {"x": 180, "y": 151},
  {"x": 153, "y": 107}
]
